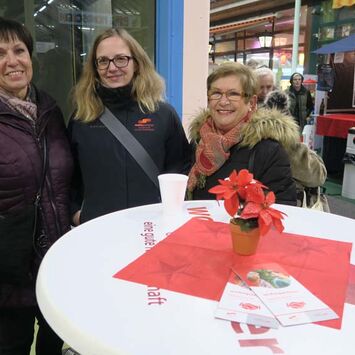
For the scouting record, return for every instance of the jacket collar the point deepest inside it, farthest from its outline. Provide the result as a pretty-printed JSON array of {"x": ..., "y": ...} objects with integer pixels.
[{"x": 264, "y": 124}]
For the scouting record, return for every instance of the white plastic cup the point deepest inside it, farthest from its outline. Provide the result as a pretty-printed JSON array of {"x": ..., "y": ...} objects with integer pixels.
[{"x": 172, "y": 192}]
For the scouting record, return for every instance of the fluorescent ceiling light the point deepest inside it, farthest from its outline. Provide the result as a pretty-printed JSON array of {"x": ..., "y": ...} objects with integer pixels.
[
  {"x": 249, "y": 20},
  {"x": 231, "y": 6}
]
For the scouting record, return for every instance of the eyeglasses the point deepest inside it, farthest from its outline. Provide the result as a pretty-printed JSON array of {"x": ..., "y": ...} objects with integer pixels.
[
  {"x": 120, "y": 61},
  {"x": 230, "y": 95}
]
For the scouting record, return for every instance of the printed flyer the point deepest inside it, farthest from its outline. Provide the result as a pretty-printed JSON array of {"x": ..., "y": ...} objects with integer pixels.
[
  {"x": 240, "y": 304},
  {"x": 288, "y": 300}
]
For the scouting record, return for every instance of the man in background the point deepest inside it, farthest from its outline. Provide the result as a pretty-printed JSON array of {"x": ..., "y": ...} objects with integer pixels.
[
  {"x": 301, "y": 103},
  {"x": 266, "y": 80}
]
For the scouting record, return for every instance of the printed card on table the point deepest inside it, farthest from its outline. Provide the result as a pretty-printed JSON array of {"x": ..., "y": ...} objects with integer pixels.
[
  {"x": 239, "y": 303},
  {"x": 289, "y": 301}
]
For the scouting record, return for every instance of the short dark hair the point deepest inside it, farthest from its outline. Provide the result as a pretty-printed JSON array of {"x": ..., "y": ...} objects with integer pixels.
[
  {"x": 11, "y": 30},
  {"x": 293, "y": 75},
  {"x": 277, "y": 99}
]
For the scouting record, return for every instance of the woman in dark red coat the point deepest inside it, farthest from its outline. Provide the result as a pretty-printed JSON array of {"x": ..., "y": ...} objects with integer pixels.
[{"x": 35, "y": 174}]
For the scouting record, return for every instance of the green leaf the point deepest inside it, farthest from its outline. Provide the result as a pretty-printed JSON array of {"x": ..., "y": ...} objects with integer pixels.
[{"x": 246, "y": 225}]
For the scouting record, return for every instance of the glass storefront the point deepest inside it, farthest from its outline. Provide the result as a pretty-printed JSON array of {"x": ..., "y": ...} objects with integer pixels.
[
  {"x": 248, "y": 43},
  {"x": 64, "y": 31}
]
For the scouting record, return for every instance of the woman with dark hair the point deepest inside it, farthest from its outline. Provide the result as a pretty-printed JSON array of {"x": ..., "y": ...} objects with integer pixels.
[
  {"x": 35, "y": 175},
  {"x": 119, "y": 76}
]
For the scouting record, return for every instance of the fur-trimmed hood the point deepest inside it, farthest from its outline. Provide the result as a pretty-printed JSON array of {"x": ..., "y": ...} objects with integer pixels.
[
  {"x": 307, "y": 167},
  {"x": 264, "y": 124}
]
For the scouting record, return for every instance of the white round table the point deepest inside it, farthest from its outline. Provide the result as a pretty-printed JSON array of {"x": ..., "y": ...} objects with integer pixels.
[{"x": 97, "y": 314}]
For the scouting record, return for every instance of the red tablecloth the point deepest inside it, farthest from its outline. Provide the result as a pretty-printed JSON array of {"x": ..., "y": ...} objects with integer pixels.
[
  {"x": 335, "y": 125},
  {"x": 197, "y": 258}
]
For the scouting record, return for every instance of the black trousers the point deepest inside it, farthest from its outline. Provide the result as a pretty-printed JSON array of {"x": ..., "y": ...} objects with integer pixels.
[{"x": 17, "y": 330}]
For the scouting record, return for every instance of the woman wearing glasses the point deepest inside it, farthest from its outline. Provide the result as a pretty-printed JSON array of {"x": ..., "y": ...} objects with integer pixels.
[
  {"x": 231, "y": 134},
  {"x": 120, "y": 76}
]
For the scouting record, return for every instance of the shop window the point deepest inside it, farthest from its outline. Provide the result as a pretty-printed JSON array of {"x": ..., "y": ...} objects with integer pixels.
[{"x": 64, "y": 31}]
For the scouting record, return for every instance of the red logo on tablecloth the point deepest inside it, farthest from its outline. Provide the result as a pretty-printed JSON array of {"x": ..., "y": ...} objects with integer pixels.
[
  {"x": 249, "y": 306},
  {"x": 296, "y": 305}
]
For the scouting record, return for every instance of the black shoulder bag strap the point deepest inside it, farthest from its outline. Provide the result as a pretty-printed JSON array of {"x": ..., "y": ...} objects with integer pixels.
[{"x": 131, "y": 144}]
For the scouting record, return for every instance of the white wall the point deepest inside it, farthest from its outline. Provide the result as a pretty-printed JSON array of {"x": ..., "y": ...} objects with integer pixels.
[{"x": 195, "y": 64}]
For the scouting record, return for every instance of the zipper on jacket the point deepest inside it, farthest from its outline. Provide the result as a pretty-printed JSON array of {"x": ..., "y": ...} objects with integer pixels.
[
  {"x": 54, "y": 208},
  {"x": 48, "y": 183},
  {"x": 36, "y": 135}
]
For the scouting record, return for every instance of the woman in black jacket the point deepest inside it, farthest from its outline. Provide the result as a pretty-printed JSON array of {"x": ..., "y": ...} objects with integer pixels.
[
  {"x": 35, "y": 175},
  {"x": 231, "y": 134},
  {"x": 120, "y": 76}
]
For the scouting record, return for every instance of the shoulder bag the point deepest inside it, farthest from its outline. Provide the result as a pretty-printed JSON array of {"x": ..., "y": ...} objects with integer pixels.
[
  {"x": 131, "y": 144},
  {"x": 314, "y": 199}
]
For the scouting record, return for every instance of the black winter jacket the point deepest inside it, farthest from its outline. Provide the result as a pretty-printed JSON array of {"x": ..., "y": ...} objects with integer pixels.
[
  {"x": 21, "y": 150},
  {"x": 107, "y": 178},
  {"x": 271, "y": 162}
]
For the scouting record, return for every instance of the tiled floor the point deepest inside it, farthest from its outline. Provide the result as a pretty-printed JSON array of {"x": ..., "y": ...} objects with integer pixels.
[{"x": 338, "y": 204}]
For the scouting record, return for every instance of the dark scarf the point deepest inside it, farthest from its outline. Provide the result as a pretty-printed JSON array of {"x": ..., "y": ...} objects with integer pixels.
[
  {"x": 116, "y": 98},
  {"x": 302, "y": 90}
]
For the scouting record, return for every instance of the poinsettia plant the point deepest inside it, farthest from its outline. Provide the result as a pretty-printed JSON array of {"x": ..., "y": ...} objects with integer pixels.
[{"x": 248, "y": 202}]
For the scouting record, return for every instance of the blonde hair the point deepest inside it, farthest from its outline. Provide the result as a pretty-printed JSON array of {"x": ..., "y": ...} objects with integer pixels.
[
  {"x": 147, "y": 86},
  {"x": 245, "y": 74}
]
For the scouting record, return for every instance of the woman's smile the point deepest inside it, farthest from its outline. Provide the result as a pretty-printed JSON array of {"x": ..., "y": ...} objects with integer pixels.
[{"x": 227, "y": 112}]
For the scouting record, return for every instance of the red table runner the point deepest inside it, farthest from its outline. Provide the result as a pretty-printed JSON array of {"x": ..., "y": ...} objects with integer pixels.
[
  {"x": 197, "y": 258},
  {"x": 335, "y": 125}
]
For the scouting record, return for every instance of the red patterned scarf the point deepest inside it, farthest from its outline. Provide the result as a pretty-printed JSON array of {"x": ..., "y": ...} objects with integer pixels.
[{"x": 213, "y": 150}]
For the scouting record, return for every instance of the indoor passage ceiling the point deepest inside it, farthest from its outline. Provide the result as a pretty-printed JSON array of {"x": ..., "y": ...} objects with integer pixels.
[{"x": 225, "y": 11}]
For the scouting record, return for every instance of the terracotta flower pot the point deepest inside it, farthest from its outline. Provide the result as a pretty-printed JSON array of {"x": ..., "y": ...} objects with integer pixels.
[{"x": 244, "y": 243}]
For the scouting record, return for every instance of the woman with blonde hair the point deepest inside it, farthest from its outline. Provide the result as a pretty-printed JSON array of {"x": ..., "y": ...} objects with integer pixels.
[
  {"x": 232, "y": 134},
  {"x": 120, "y": 77}
]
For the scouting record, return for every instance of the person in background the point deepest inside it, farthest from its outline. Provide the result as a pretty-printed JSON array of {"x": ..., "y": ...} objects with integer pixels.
[
  {"x": 266, "y": 79},
  {"x": 35, "y": 175},
  {"x": 231, "y": 131},
  {"x": 253, "y": 63},
  {"x": 308, "y": 168},
  {"x": 120, "y": 76},
  {"x": 301, "y": 103},
  {"x": 277, "y": 99}
]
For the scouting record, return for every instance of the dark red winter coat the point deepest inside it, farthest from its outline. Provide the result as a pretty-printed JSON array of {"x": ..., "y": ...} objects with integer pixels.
[{"x": 21, "y": 151}]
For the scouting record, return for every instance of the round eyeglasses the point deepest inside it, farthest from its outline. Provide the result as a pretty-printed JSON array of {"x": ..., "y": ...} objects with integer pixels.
[
  {"x": 230, "y": 95},
  {"x": 120, "y": 61}
]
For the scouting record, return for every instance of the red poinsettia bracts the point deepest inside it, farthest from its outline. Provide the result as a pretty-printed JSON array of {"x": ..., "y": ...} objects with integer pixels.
[{"x": 245, "y": 197}]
